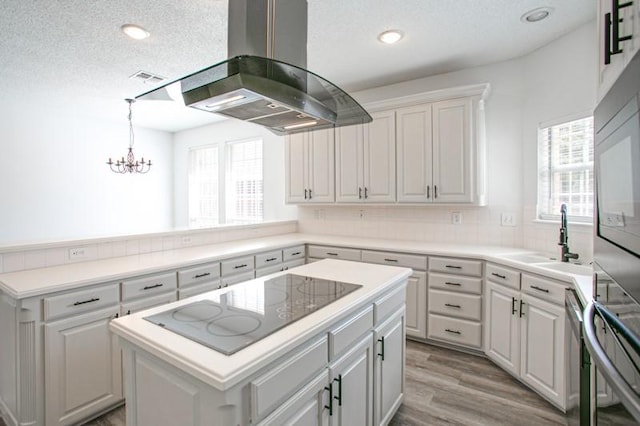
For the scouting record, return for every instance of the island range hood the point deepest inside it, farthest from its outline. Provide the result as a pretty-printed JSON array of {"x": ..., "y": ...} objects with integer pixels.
[{"x": 265, "y": 80}]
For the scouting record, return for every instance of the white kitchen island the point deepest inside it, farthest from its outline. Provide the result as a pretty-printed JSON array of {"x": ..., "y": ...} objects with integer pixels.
[{"x": 341, "y": 365}]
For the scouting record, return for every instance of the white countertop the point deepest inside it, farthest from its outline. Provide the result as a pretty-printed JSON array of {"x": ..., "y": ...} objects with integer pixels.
[
  {"x": 222, "y": 371},
  {"x": 36, "y": 282}
]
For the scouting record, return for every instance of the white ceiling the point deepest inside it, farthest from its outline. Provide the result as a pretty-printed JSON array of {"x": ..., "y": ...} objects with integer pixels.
[{"x": 73, "y": 51}]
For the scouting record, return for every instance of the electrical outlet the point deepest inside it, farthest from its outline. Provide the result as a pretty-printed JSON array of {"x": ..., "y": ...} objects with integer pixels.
[
  {"x": 456, "y": 218},
  {"x": 508, "y": 219},
  {"x": 77, "y": 253},
  {"x": 186, "y": 240},
  {"x": 362, "y": 215}
]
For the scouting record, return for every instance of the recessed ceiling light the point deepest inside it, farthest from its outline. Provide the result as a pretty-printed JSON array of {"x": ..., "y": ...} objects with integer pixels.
[
  {"x": 536, "y": 15},
  {"x": 135, "y": 31},
  {"x": 391, "y": 36}
]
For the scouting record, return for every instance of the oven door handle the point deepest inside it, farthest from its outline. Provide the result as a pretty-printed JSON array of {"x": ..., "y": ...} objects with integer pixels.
[{"x": 626, "y": 394}]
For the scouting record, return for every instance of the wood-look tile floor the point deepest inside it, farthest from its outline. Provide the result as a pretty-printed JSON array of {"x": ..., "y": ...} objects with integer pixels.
[{"x": 445, "y": 387}]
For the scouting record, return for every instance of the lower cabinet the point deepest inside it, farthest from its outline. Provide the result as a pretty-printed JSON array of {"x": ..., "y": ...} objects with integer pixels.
[
  {"x": 82, "y": 367},
  {"x": 416, "y": 314},
  {"x": 388, "y": 374}
]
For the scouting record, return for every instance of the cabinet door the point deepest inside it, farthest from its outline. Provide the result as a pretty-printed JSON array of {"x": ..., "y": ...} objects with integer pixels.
[
  {"x": 415, "y": 157},
  {"x": 543, "y": 348},
  {"x": 380, "y": 158},
  {"x": 352, "y": 382},
  {"x": 296, "y": 166},
  {"x": 349, "y": 164},
  {"x": 83, "y": 373},
  {"x": 452, "y": 166},
  {"x": 502, "y": 326},
  {"x": 417, "y": 305},
  {"x": 389, "y": 346},
  {"x": 321, "y": 162}
]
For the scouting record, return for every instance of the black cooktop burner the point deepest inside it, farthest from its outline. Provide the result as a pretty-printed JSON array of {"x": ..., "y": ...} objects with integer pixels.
[{"x": 242, "y": 315}]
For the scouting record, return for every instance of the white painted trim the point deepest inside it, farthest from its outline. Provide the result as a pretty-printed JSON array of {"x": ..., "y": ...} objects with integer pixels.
[{"x": 481, "y": 90}]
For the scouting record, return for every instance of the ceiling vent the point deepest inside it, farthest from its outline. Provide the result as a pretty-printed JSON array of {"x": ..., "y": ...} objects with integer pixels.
[{"x": 147, "y": 77}]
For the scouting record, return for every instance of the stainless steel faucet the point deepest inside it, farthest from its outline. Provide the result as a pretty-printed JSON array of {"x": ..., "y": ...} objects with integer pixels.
[{"x": 564, "y": 237}]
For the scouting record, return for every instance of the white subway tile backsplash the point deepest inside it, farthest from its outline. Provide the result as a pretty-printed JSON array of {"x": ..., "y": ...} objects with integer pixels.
[
  {"x": 105, "y": 250},
  {"x": 13, "y": 261},
  {"x": 132, "y": 247},
  {"x": 35, "y": 259},
  {"x": 56, "y": 256}
]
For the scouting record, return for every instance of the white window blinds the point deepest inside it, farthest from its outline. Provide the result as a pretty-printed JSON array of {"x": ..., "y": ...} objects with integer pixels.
[
  {"x": 203, "y": 187},
  {"x": 565, "y": 170},
  {"x": 244, "y": 201}
]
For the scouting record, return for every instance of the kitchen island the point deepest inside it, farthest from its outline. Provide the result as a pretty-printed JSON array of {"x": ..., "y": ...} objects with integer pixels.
[{"x": 342, "y": 363}]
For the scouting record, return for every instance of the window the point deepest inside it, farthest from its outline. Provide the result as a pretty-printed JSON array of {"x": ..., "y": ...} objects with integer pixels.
[
  {"x": 565, "y": 170},
  {"x": 225, "y": 184}
]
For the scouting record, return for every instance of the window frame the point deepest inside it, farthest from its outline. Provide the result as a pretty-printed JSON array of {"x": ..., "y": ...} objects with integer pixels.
[{"x": 555, "y": 217}]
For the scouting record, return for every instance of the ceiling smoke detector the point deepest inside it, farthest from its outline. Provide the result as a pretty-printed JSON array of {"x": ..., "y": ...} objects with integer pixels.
[{"x": 536, "y": 15}]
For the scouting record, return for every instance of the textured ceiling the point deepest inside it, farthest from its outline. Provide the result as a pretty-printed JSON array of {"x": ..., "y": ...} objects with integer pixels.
[{"x": 72, "y": 51}]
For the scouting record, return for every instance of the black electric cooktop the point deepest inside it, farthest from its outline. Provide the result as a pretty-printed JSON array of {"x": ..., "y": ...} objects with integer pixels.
[{"x": 235, "y": 319}]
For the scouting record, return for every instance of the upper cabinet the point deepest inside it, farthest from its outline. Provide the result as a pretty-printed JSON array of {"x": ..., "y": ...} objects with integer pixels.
[
  {"x": 366, "y": 161},
  {"x": 440, "y": 152},
  {"x": 619, "y": 39},
  {"x": 309, "y": 167}
]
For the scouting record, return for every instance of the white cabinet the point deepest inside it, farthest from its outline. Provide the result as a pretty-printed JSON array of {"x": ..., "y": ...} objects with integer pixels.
[
  {"x": 416, "y": 315},
  {"x": 440, "y": 152},
  {"x": 389, "y": 368},
  {"x": 629, "y": 25},
  {"x": 82, "y": 366},
  {"x": 525, "y": 334},
  {"x": 366, "y": 161},
  {"x": 309, "y": 167}
]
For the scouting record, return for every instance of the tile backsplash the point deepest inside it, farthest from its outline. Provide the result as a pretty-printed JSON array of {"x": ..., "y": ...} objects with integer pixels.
[{"x": 32, "y": 256}]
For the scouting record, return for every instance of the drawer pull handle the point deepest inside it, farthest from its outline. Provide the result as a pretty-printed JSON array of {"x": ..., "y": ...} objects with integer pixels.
[
  {"x": 453, "y": 267},
  {"x": 452, "y": 331},
  {"x": 330, "y": 406},
  {"x": 332, "y": 254},
  {"x": 513, "y": 306},
  {"x": 339, "y": 396},
  {"x": 499, "y": 276},
  {"x": 206, "y": 274},
  {"x": 93, "y": 299},
  {"x": 359, "y": 193},
  {"x": 149, "y": 287},
  {"x": 452, "y": 306},
  {"x": 450, "y": 283},
  {"x": 521, "y": 311},
  {"x": 296, "y": 253},
  {"x": 391, "y": 260},
  {"x": 240, "y": 266},
  {"x": 271, "y": 259},
  {"x": 366, "y": 190},
  {"x": 544, "y": 290},
  {"x": 305, "y": 194},
  {"x": 381, "y": 353}
]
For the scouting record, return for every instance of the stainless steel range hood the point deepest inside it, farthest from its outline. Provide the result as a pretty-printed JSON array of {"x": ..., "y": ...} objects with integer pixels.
[{"x": 265, "y": 80}]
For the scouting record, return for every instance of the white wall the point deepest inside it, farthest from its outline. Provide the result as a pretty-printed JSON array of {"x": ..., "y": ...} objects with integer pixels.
[
  {"x": 560, "y": 81},
  {"x": 232, "y": 130},
  {"x": 56, "y": 185},
  {"x": 553, "y": 82}
]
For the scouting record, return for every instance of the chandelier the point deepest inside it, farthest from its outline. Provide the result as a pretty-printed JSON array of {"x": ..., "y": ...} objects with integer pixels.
[{"x": 131, "y": 165}]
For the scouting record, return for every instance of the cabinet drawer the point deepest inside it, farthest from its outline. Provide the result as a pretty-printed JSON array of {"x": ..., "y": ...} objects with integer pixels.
[
  {"x": 147, "y": 286},
  {"x": 147, "y": 302},
  {"x": 235, "y": 279},
  {"x": 544, "y": 288},
  {"x": 324, "y": 252},
  {"x": 455, "y": 283},
  {"x": 456, "y": 266},
  {"x": 272, "y": 388},
  {"x": 388, "y": 304},
  {"x": 459, "y": 305},
  {"x": 396, "y": 259},
  {"x": 198, "y": 274},
  {"x": 268, "y": 259},
  {"x": 268, "y": 270},
  {"x": 194, "y": 290},
  {"x": 237, "y": 265},
  {"x": 343, "y": 336},
  {"x": 80, "y": 301},
  {"x": 454, "y": 330},
  {"x": 291, "y": 253},
  {"x": 504, "y": 276}
]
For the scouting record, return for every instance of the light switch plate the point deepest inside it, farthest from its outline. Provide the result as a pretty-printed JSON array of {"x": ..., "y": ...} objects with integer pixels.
[
  {"x": 508, "y": 219},
  {"x": 456, "y": 218}
]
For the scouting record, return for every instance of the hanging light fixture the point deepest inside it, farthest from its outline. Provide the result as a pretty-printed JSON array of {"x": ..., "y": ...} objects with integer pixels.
[{"x": 131, "y": 165}]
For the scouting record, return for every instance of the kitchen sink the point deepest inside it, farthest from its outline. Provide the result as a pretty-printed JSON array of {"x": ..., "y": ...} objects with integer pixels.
[
  {"x": 529, "y": 257},
  {"x": 570, "y": 268}
]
